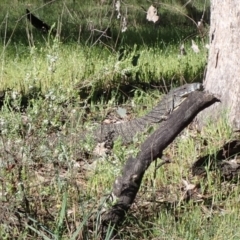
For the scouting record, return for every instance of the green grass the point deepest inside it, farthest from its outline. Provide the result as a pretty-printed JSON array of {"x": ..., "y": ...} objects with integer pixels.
[
  {"x": 95, "y": 68},
  {"x": 59, "y": 86},
  {"x": 43, "y": 61}
]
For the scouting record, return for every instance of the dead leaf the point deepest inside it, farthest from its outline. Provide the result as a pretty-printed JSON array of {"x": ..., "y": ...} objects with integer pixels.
[
  {"x": 124, "y": 24},
  {"x": 207, "y": 46},
  {"x": 100, "y": 150},
  {"x": 122, "y": 112},
  {"x": 195, "y": 47},
  {"x": 117, "y": 6},
  {"x": 188, "y": 186},
  {"x": 200, "y": 27},
  {"x": 152, "y": 14},
  {"x": 182, "y": 50}
]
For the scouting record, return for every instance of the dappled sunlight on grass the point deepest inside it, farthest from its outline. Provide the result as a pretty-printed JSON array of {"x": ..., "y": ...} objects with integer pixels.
[{"x": 56, "y": 88}]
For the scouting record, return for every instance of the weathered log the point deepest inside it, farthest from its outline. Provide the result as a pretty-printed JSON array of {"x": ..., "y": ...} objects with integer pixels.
[{"x": 126, "y": 186}]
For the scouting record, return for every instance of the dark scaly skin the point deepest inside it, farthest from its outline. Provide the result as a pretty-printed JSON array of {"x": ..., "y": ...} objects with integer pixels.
[{"x": 128, "y": 130}]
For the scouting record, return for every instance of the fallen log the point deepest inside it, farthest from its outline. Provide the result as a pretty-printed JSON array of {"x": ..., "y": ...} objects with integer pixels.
[{"x": 126, "y": 186}]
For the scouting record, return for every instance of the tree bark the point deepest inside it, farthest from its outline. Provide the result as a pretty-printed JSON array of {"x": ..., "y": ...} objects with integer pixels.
[
  {"x": 126, "y": 186},
  {"x": 223, "y": 70}
]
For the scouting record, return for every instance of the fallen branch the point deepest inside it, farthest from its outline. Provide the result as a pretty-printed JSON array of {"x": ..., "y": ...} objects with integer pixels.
[{"x": 126, "y": 186}]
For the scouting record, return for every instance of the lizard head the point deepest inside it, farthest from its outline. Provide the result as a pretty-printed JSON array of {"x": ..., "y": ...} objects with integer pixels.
[{"x": 188, "y": 88}]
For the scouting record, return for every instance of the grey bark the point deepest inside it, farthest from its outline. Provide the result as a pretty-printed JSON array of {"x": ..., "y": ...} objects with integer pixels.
[
  {"x": 126, "y": 186},
  {"x": 223, "y": 70}
]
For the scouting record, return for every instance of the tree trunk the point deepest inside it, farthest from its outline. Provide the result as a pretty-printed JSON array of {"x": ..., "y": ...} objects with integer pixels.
[{"x": 223, "y": 70}]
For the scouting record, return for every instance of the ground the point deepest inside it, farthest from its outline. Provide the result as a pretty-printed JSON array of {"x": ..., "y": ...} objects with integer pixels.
[{"x": 57, "y": 87}]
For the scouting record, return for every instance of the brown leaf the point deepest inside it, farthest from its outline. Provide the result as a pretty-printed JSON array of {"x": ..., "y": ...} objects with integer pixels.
[{"x": 152, "y": 14}]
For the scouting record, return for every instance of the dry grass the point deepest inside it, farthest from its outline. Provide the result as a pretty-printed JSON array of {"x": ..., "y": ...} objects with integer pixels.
[{"x": 56, "y": 88}]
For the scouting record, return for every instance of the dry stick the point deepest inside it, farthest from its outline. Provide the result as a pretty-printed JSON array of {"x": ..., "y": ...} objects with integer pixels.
[{"x": 126, "y": 186}]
